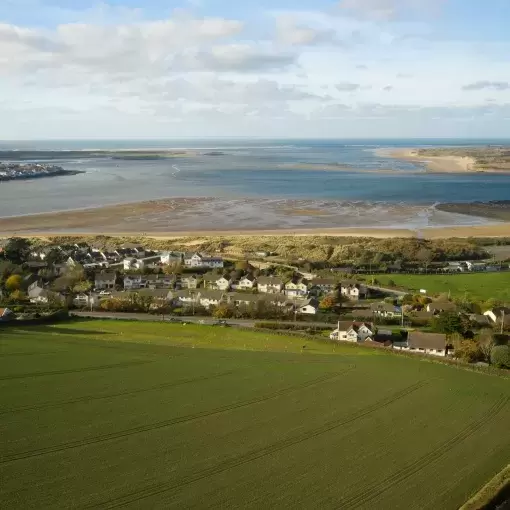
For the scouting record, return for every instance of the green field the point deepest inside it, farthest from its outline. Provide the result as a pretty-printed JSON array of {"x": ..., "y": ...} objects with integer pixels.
[
  {"x": 480, "y": 286},
  {"x": 98, "y": 414}
]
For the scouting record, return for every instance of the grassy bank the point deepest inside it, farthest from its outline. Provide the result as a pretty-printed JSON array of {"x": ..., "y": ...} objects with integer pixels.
[
  {"x": 479, "y": 286},
  {"x": 110, "y": 413}
]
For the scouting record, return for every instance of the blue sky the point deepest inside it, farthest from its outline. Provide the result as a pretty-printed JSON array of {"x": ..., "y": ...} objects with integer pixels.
[{"x": 301, "y": 68}]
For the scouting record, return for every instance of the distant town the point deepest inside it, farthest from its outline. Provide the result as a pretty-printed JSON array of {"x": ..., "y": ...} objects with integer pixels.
[{"x": 16, "y": 171}]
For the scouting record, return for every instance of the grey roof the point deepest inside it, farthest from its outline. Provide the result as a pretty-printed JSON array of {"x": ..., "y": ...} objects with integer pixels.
[
  {"x": 185, "y": 293},
  {"x": 480, "y": 319},
  {"x": 419, "y": 340},
  {"x": 215, "y": 295},
  {"x": 500, "y": 310},
  {"x": 324, "y": 281},
  {"x": 155, "y": 293},
  {"x": 446, "y": 306},
  {"x": 383, "y": 307},
  {"x": 270, "y": 280},
  {"x": 105, "y": 277},
  {"x": 239, "y": 296}
]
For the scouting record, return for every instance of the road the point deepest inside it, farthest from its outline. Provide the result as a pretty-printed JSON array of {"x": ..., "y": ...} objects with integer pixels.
[{"x": 247, "y": 323}]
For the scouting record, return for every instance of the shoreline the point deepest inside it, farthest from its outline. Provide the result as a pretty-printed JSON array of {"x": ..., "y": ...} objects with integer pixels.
[{"x": 435, "y": 164}]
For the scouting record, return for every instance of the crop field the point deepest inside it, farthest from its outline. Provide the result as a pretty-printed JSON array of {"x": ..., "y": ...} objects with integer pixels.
[
  {"x": 107, "y": 414},
  {"x": 480, "y": 286}
]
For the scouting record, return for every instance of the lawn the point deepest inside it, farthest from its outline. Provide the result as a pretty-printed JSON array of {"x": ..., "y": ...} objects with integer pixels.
[
  {"x": 479, "y": 286},
  {"x": 99, "y": 414}
]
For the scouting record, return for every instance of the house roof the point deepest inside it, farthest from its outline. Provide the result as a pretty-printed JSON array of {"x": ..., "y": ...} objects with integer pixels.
[
  {"x": 105, "y": 277},
  {"x": 4, "y": 311},
  {"x": 323, "y": 281},
  {"x": 249, "y": 277},
  {"x": 419, "y": 340},
  {"x": 347, "y": 325},
  {"x": 213, "y": 295},
  {"x": 383, "y": 307},
  {"x": 155, "y": 293},
  {"x": 186, "y": 293},
  {"x": 239, "y": 296},
  {"x": 191, "y": 277},
  {"x": 446, "y": 306},
  {"x": 270, "y": 280},
  {"x": 423, "y": 315},
  {"x": 310, "y": 302},
  {"x": 480, "y": 319},
  {"x": 499, "y": 311}
]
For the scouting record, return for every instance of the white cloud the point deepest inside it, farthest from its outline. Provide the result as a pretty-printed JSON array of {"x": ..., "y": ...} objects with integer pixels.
[
  {"x": 389, "y": 9},
  {"x": 487, "y": 85}
]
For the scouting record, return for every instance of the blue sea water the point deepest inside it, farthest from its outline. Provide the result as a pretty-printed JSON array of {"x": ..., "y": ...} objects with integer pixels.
[{"x": 245, "y": 169}]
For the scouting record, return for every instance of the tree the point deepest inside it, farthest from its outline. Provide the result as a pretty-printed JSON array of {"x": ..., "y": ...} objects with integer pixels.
[
  {"x": 17, "y": 295},
  {"x": 83, "y": 286},
  {"x": 486, "y": 343},
  {"x": 13, "y": 283},
  {"x": 500, "y": 356},
  {"x": 69, "y": 279},
  {"x": 243, "y": 265},
  {"x": 328, "y": 303},
  {"x": 425, "y": 256},
  {"x": 448, "y": 323},
  {"x": 174, "y": 268},
  {"x": 223, "y": 311},
  {"x": 467, "y": 350},
  {"x": 17, "y": 250}
]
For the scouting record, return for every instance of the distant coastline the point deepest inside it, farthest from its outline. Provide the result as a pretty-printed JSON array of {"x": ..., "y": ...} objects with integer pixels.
[{"x": 19, "y": 172}]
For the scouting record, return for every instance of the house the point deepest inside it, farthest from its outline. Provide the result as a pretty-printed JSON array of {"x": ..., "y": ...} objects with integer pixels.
[
  {"x": 309, "y": 307},
  {"x": 159, "y": 281},
  {"x": 82, "y": 299},
  {"x": 242, "y": 299},
  {"x": 353, "y": 332},
  {"x": 422, "y": 315},
  {"x": 134, "y": 281},
  {"x": 480, "y": 319},
  {"x": 132, "y": 263},
  {"x": 456, "y": 267},
  {"x": 248, "y": 282},
  {"x": 441, "y": 306},
  {"x": 39, "y": 295},
  {"x": 353, "y": 290},
  {"x": 105, "y": 280},
  {"x": 138, "y": 249},
  {"x": 185, "y": 297},
  {"x": 386, "y": 310},
  {"x": 6, "y": 314},
  {"x": 434, "y": 344},
  {"x": 199, "y": 260},
  {"x": 221, "y": 282},
  {"x": 324, "y": 285},
  {"x": 190, "y": 281},
  {"x": 159, "y": 297},
  {"x": 297, "y": 287},
  {"x": 270, "y": 285},
  {"x": 476, "y": 266},
  {"x": 498, "y": 314},
  {"x": 210, "y": 298},
  {"x": 171, "y": 257}
]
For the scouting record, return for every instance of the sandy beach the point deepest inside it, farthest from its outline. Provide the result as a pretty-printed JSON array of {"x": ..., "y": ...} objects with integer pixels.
[
  {"x": 169, "y": 218},
  {"x": 433, "y": 164}
]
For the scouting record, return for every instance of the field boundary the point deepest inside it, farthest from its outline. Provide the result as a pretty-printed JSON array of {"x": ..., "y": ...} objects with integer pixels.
[{"x": 492, "y": 494}]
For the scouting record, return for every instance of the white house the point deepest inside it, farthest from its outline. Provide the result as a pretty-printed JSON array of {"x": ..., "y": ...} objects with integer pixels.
[
  {"x": 39, "y": 295},
  {"x": 386, "y": 310},
  {"x": 247, "y": 283},
  {"x": 210, "y": 298},
  {"x": 134, "y": 281},
  {"x": 199, "y": 260},
  {"x": 354, "y": 291},
  {"x": 270, "y": 285},
  {"x": 190, "y": 281},
  {"x": 132, "y": 263},
  {"x": 324, "y": 285},
  {"x": 170, "y": 257},
  {"x": 498, "y": 314},
  {"x": 310, "y": 307},
  {"x": 353, "y": 332},
  {"x": 441, "y": 306},
  {"x": 104, "y": 281},
  {"x": 424, "y": 343},
  {"x": 297, "y": 287},
  {"x": 217, "y": 282},
  {"x": 186, "y": 297}
]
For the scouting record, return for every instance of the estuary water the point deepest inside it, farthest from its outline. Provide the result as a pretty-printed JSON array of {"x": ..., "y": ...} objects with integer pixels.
[{"x": 240, "y": 169}]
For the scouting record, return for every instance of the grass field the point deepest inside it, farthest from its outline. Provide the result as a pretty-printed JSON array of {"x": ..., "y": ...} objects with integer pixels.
[
  {"x": 98, "y": 414},
  {"x": 481, "y": 286}
]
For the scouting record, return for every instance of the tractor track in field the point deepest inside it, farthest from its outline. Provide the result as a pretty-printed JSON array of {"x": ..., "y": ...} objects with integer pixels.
[
  {"x": 364, "y": 496},
  {"x": 74, "y": 371},
  {"x": 165, "y": 423},
  {"x": 89, "y": 398},
  {"x": 156, "y": 489},
  {"x": 8, "y": 355}
]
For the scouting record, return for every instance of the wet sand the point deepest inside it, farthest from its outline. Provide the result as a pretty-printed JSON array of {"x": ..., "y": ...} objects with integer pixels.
[{"x": 210, "y": 216}]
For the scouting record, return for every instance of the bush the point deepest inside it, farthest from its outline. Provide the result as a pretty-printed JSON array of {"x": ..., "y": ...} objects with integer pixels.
[{"x": 500, "y": 356}]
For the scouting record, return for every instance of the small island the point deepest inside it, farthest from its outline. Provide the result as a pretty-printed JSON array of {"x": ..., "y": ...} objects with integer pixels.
[{"x": 17, "y": 171}]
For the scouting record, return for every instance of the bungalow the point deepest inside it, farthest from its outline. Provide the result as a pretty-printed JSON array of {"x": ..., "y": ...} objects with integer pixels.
[
  {"x": 386, "y": 310},
  {"x": 354, "y": 291},
  {"x": 199, "y": 260},
  {"x": 324, "y": 285},
  {"x": 297, "y": 287},
  {"x": 105, "y": 280},
  {"x": 210, "y": 298},
  {"x": 39, "y": 295},
  {"x": 159, "y": 281},
  {"x": 309, "y": 307},
  {"x": 353, "y": 332},
  {"x": 270, "y": 285},
  {"x": 190, "y": 281},
  {"x": 134, "y": 281},
  {"x": 476, "y": 266},
  {"x": 242, "y": 299},
  {"x": 480, "y": 320},
  {"x": 441, "y": 306},
  {"x": 424, "y": 343},
  {"x": 248, "y": 282},
  {"x": 185, "y": 297}
]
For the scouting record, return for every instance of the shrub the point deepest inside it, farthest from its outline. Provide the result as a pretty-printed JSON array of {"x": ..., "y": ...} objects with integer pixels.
[{"x": 500, "y": 356}]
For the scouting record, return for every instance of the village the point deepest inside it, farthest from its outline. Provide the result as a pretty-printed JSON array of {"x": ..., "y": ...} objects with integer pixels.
[
  {"x": 17, "y": 171},
  {"x": 133, "y": 278}
]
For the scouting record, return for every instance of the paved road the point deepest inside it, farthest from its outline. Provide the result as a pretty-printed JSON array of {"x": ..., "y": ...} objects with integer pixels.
[{"x": 248, "y": 323}]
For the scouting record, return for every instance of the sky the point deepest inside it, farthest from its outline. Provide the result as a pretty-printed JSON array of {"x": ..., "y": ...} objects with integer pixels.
[{"x": 265, "y": 68}]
